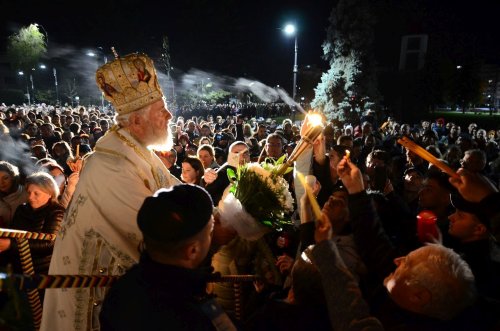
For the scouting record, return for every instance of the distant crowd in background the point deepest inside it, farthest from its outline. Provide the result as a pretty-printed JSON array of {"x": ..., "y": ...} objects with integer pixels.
[
  {"x": 249, "y": 110},
  {"x": 51, "y": 136},
  {"x": 54, "y": 133},
  {"x": 400, "y": 183}
]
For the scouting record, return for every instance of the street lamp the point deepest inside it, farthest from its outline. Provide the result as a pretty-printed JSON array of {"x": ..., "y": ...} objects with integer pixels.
[
  {"x": 32, "y": 84},
  {"x": 290, "y": 30},
  {"x": 41, "y": 66},
  {"x": 54, "y": 71},
  {"x": 21, "y": 73},
  {"x": 105, "y": 60},
  {"x": 93, "y": 54}
]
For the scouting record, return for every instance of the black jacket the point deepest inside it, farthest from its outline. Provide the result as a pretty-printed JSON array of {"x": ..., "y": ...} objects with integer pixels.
[
  {"x": 154, "y": 296},
  {"x": 486, "y": 271},
  {"x": 46, "y": 219},
  {"x": 216, "y": 189}
]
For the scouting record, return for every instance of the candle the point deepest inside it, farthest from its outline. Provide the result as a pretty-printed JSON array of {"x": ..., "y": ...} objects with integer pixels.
[
  {"x": 411, "y": 146},
  {"x": 313, "y": 132},
  {"x": 314, "y": 203}
]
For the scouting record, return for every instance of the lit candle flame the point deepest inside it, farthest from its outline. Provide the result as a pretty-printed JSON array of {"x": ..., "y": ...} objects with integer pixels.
[{"x": 315, "y": 119}]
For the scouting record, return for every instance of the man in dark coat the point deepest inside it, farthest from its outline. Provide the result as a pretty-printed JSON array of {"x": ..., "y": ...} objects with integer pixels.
[
  {"x": 166, "y": 289},
  {"x": 472, "y": 228},
  {"x": 431, "y": 288}
]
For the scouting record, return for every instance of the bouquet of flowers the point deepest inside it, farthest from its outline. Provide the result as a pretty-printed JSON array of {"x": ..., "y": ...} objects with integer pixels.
[{"x": 257, "y": 201}]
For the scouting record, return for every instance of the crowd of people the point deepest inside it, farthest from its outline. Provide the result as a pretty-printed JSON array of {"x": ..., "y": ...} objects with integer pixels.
[
  {"x": 119, "y": 207},
  {"x": 248, "y": 109}
]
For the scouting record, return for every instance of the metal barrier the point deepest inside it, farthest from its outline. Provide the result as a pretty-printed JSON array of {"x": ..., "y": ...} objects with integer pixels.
[
  {"x": 32, "y": 283},
  {"x": 22, "y": 238}
]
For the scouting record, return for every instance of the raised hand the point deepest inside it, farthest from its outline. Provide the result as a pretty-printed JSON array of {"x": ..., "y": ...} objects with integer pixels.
[
  {"x": 210, "y": 176},
  {"x": 323, "y": 229},
  {"x": 472, "y": 186},
  {"x": 284, "y": 263},
  {"x": 319, "y": 148},
  {"x": 305, "y": 125},
  {"x": 351, "y": 176}
]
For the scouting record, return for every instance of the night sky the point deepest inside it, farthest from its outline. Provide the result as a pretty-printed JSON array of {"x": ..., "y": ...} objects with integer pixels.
[{"x": 235, "y": 38}]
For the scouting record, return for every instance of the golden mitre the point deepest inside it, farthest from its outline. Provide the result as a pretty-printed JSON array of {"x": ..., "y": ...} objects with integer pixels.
[{"x": 129, "y": 83}]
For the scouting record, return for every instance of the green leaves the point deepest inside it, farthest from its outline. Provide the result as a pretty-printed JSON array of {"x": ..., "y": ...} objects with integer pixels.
[
  {"x": 26, "y": 47},
  {"x": 272, "y": 165},
  {"x": 259, "y": 194},
  {"x": 231, "y": 175},
  {"x": 349, "y": 50}
]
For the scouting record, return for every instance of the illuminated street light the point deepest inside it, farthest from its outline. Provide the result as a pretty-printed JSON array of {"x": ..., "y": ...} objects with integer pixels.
[
  {"x": 54, "y": 71},
  {"x": 289, "y": 29},
  {"x": 292, "y": 31},
  {"x": 100, "y": 50},
  {"x": 21, "y": 73}
]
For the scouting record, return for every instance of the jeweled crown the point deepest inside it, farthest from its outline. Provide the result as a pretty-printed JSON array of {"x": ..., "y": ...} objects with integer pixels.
[{"x": 129, "y": 83}]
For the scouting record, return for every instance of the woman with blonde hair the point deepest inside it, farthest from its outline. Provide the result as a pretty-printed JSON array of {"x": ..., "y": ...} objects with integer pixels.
[{"x": 42, "y": 213}]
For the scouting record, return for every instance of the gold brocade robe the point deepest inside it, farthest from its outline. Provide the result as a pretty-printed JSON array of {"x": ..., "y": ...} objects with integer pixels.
[{"x": 99, "y": 234}]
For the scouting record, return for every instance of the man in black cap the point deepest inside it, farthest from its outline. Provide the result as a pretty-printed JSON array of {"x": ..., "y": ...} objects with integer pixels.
[
  {"x": 471, "y": 227},
  {"x": 166, "y": 289}
]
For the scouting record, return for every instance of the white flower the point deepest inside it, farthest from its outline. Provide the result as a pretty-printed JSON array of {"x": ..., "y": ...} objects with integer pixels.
[
  {"x": 251, "y": 178},
  {"x": 280, "y": 186},
  {"x": 257, "y": 168}
]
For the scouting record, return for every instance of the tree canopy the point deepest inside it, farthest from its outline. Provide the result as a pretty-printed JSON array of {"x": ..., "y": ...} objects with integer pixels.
[
  {"x": 350, "y": 81},
  {"x": 26, "y": 47}
]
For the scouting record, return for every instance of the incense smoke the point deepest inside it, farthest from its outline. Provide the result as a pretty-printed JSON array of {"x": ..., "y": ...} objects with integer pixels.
[{"x": 80, "y": 75}]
